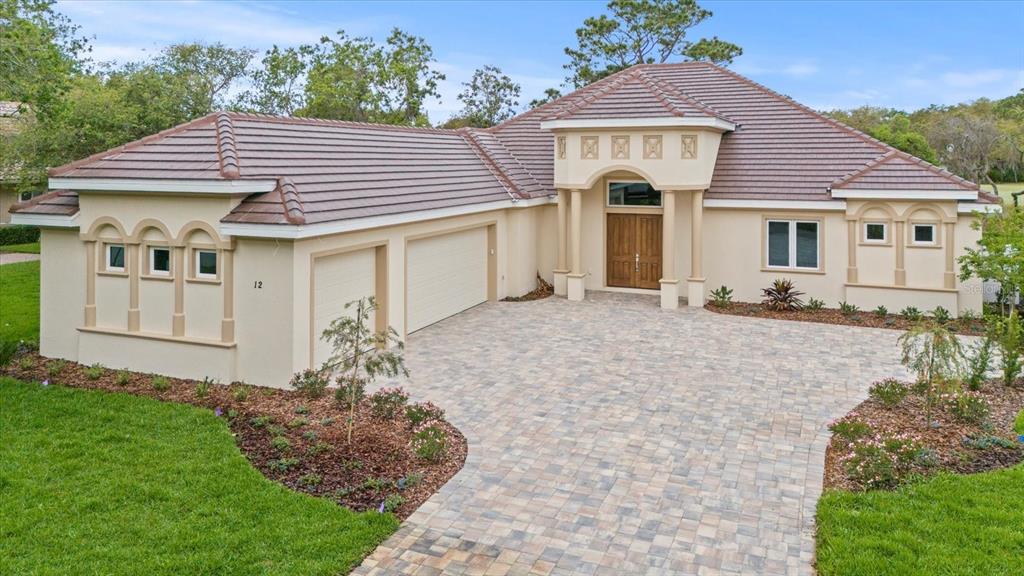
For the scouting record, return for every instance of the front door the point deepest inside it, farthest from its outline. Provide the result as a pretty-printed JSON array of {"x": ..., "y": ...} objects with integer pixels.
[{"x": 634, "y": 250}]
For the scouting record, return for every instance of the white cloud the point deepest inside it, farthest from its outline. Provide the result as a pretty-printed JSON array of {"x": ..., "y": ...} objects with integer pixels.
[
  {"x": 977, "y": 77},
  {"x": 800, "y": 70}
]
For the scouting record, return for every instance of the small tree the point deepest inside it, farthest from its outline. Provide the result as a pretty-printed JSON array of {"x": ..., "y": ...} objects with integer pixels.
[
  {"x": 935, "y": 355},
  {"x": 1008, "y": 334},
  {"x": 999, "y": 256},
  {"x": 361, "y": 354}
]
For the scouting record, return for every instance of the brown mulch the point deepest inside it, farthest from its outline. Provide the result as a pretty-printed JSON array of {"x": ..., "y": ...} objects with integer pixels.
[
  {"x": 865, "y": 318},
  {"x": 946, "y": 440},
  {"x": 543, "y": 290},
  {"x": 334, "y": 469}
]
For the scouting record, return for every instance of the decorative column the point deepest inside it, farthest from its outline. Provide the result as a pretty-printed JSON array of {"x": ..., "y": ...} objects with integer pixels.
[
  {"x": 560, "y": 265},
  {"x": 695, "y": 283},
  {"x": 178, "y": 319},
  {"x": 227, "y": 325},
  {"x": 901, "y": 246},
  {"x": 90, "y": 284},
  {"x": 133, "y": 287},
  {"x": 574, "y": 280},
  {"x": 851, "y": 242},
  {"x": 669, "y": 282},
  {"x": 950, "y": 276}
]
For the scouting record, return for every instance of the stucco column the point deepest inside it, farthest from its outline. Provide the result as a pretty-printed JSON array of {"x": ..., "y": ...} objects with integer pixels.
[
  {"x": 950, "y": 276},
  {"x": 695, "y": 283},
  {"x": 90, "y": 283},
  {"x": 133, "y": 287},
  {"x": 901, "y": 242},
  {"x": 227, "y": 325},
  {"x": 669, "y": 282},
  {"x": 178, "y": 318},
  {"x": 851, "y": 240},
  {"x": 574, "y": 280},
  {"x": 560, "y": 265}
]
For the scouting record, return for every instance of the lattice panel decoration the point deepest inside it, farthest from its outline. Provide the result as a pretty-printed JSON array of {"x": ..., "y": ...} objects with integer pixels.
[
  {"x": 652, "y": 147},
  {"x": 689, "y": 146},
  {"x": 620, "y": 147},
  {"x": 560, "y": 146},
  {"x": 588, "y": 147}
]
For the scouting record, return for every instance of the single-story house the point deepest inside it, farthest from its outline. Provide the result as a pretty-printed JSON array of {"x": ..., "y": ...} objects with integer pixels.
[{"x": 223, "y": 247}]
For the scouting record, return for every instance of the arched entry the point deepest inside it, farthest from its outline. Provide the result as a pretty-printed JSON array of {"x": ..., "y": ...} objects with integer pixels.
[{"x": 633, "y": 235}]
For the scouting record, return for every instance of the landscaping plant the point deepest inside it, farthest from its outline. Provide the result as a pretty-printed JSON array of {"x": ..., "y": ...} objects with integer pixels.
[
  {"x": 312, "y": 383},
  {"x": 881, "y": 311},
  {"x": 429, "y": 443},
  {"x": 969, "y": 407},
  {"x": 782, "y": 296},
  {"x": 388, "y": 403},
  {"x": 721, "y": 296},
  {"x": 999, "y": 256},
  {"x": 978, "y": 361},
  {"x": 94, "y": 372},
  {"x": 941, "y": 315},
  {"x": 360, "y": 354},
  {"x": 1008, "y": 333},
  {"x": 848, "y": 309},
  {"x": 814, "y": 304},
  {"x": 911, "y": 313},
  {"x": 423, "y": 412},
  {"x": 890, "y": 392},
  {"x": 935, "y": 355}
]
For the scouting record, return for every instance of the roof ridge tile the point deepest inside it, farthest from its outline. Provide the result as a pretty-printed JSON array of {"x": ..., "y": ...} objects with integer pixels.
[
  {"x": 499, "y": 174},
  {"x": 227, "y": 151},
  {"x": 294, "y": 210},
  {"x": 660, "y": 85}
]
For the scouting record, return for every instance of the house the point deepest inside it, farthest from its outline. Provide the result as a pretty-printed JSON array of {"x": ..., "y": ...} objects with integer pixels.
[
  {"x": 223, "y": 247},
  {"x": 11, "y": 120}
]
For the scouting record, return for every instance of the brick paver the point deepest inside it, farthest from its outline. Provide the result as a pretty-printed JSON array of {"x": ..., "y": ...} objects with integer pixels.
[{"x": 612, "y": 437}]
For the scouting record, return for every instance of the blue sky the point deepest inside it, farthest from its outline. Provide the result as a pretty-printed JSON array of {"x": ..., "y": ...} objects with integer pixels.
[{"x": 824, "y": 54}]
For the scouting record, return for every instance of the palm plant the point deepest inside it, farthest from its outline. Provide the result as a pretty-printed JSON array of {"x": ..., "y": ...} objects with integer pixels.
[
  {"x": 782, "y": 295},
  {"x": 935, "y": 355}
]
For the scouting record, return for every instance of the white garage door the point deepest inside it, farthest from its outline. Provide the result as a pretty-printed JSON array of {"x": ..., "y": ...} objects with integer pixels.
[
  {"x": 445, "y": 275},
  {"x": 338, "y": 280}
]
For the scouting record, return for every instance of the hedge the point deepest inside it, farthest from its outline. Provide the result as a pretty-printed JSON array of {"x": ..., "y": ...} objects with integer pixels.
[{"x": 18, "y": 235}]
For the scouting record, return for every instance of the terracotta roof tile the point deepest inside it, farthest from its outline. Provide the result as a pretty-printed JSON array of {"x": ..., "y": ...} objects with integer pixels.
[
  {"x": 899, "y": 171},
  {"x": 55, "y": 202}
]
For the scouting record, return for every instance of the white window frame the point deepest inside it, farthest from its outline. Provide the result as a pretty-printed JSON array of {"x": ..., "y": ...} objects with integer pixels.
[
  {"x": 791, "y": 263},
  {"x": 170, "y": 265},
  {"x": 106, "y": 256},
  {"x": 913, "y": 233},
  {"x": 197, "y": 254},
  {"x": 608, "y": 196},
  {"x": 885, "y": 233}
]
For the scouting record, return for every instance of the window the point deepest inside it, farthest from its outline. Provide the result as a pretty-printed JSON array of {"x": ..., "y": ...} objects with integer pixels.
[
  {"x": 25, "y": 196},
  {"x": 115, "y": 257},
  {"x": 633, "y": 194},
  {"x": 160, "y": 261},
  {"x": 924, "y": 233},
  {"x": 792, "y": 244},
  {"x": 876, "y": 232},
  {"x": 206, "y": 264}
]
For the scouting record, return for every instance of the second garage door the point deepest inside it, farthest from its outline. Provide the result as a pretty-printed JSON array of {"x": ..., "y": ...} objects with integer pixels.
[
  {"x": 338, "y": 280},
  {"x": 445, "y": 275}
]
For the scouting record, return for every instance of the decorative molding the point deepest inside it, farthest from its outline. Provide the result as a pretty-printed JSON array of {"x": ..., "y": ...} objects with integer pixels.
[
  {"x": 560, "y": 147},
  {"x": 689, "y": 146},
  {"x": 45, "y": 220},
  {"x": 971, "y": 207},
  {"x": 589, "y": 147},
  {"x": 652, "y": 147},
  {"x": 620, "y": 147}
]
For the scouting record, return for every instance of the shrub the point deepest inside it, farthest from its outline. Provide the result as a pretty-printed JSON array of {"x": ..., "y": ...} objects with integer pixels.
[
  {"x": 310, "y": 383},
  {"x": 283, "y": 464},
  {"x": 8, "y": 348},
  {"x": 848, "y": 309},
  {"x": 280, "y": 443},
  {"x": 423, "y": 412},
  {"x": 1008, "y": 333},
  {"x": 349, "y": 392},
  {"x": 889, "y": 392},
  {"x": 850, "y": 430},
  {"x": 310, "y": 480},
  {"x": 979, "y": 358},
  {"x": 297, "y": 422},
  {"x": 318, "y": 448},
  {"x": 987, "y": 442},
  {"x": 94, "y": 372},
  {"x": 409, "y": 480},
  {"x": 388, "y": 403},
  {"x": 911, "y": 313},
  {"x": 941, "y": 315},
  {"x": 26, "y": 363},
  {"x": 722, "y": 296},
  {"x": 239, "y": 391},
  {"x": 160, "y": 383},
  {"x": 1018, "y": 423},
  {"x": 926, "y": 457},
  {"x": 203, "y": 388},
  {"x": 969, "y": 408},
  {"x": 55, "y": 367},
  {"x": 275, "y": 430},
  {"x": 16, "y": 234},
  {"x": 122, "y": 377},
  {"x": 881, "y": 311},
  {"x": 302, "y": 409},
  {"x": 935, "y": 355},
  {"x": 392, "y": 502},
  {"x": 310, "y": 435},
  {"x": 782, "y": 296},
  {"x": 968, "y": 316},
  {"x": 430, "y": 443},
  {"x": 260, "y": 421},
  {"x": 376, "y": 484},
  {"x": 814, "y": 304},
  {"x": 880, "y": 461}
]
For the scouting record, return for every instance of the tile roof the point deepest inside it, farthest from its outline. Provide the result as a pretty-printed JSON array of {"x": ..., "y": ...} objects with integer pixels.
[
  {"x": 55, "y": 202},
  {"x": 333, "y": 170}
]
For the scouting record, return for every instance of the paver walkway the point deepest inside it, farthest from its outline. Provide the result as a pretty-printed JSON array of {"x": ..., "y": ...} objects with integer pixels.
[
  {"x": 612, "y": 437},
  {"x": 13, "y": 257}
]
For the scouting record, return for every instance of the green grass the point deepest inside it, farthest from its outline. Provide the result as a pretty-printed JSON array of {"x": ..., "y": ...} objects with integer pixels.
[
  {"x": 32, "y": 248},
  {"x": 945, "y": 525},
  {"x": 100, "y": 483},
  {"x": 19, "y": 301},
  {"x": 1005, "y": 189},
  {"x": 1018, "y": 423}
]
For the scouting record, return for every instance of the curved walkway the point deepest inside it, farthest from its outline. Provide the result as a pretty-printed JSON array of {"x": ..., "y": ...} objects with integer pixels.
[{"x": 612, "y": 437}]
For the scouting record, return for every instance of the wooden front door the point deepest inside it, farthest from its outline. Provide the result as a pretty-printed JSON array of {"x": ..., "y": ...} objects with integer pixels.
[{"x": 634, "y": 250}]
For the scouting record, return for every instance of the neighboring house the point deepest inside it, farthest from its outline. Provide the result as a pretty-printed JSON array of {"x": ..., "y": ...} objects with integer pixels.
[
  {"x": 10, "y": 120},
  {"x": 225, "y": 246}
]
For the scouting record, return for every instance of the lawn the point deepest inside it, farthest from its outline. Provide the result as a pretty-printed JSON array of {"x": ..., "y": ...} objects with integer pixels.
[
  {"x": 1006, "y": 189},
  {"x": 100, "y": 483},
  {"x": 945, "y": 525},
  {"x": 19, "y": 302},
  {"x": 32, "y": 248}
]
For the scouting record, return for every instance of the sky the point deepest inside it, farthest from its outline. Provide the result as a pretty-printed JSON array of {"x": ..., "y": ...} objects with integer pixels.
[{"x": 827, "y": 55}]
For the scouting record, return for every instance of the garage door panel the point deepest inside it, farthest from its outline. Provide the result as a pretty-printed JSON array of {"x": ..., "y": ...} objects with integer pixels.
[
  {"x": 338, "y": 280},
  {"x": 445, "y": 275}
]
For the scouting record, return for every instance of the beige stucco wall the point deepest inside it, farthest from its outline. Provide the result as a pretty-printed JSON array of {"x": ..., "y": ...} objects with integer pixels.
[
  {"x": 8, "y": 198},
  {"x": 264, "y": 316},
  {"x": 61, "y": 292}
]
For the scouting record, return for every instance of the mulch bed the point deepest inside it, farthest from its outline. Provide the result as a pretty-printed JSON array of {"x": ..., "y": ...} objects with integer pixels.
[
  {"x": 542, "y": 291},
  {"x": 319, "y": 461},
  {"x": 946, "y": 441},
  {"x": 868, "y": 319}
]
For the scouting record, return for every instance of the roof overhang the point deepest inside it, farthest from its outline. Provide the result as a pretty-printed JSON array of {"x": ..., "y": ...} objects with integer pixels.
[
  {"x": 817, "y": 205},
  {"x": 300, "y": 231},
  {"x": 45, "y": 220},
  {"x": 617, "y": 123},
  {"x": 869, "y": 194},
  {"x": 226, "y": 187},
  {"x": 971, "y": 207}
]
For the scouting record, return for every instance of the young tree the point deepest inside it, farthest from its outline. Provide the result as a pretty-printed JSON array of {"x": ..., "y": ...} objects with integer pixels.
[
  {"x": 1008, "y": 333},
  {"x": 639, "y": 32},
  {"x": 488, "y": 98},
  {"x": 935, "y": 355},
  {"x": 550, "y": 95},
  {"x": 999, "y": 255},
  {"x": 277, "y": 85},
  {"x": 360, "y": 355},
  {"x": 206, "y": 72}
]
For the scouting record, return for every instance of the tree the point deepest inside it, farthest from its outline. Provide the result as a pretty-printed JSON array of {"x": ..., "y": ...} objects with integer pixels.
[
  {"x": 935, "y": 355},
  {"x": 207, "y": 73},
  {"x": 641, "y": 32},
  {"x": 999, "y": 255},
  {"x": 489, "y": 98},
  {"x": 550, "y": 95},
  {"x": 359, "y": 355},
  {"x": 339, "y": 85},
  {"x": 967, "y": 144},
  {"x": 898, "y": 134},
  {"x": 277, "y": 84},
  {"x": 406, "y": 79}
]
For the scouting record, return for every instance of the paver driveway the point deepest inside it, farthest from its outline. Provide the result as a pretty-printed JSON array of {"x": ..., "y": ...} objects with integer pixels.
[{"x": 612, "y": 437}]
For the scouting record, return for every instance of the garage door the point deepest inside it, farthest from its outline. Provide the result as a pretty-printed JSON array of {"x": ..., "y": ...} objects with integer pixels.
[
  {"x": 338, "y": 280},
  {"x": 445, "y": 275}
]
